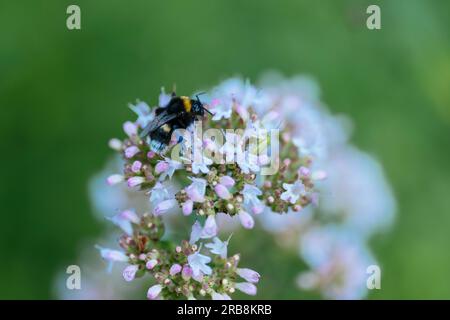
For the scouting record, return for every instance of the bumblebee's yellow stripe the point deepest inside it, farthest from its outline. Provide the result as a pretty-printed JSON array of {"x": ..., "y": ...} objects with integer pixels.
[{"x": 187, "y": 103}]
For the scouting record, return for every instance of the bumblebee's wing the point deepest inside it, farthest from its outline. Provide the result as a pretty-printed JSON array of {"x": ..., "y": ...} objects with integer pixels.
[{"x": 157, "y": 122}]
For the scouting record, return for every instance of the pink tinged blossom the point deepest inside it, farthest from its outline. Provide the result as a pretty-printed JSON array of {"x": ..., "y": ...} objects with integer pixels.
[
  {"x": 196, "y": 232},
  {"x": 124, "y": 219},
  {"x": 173, "y": 165},
  {"x": 246, "y": 287},
  {"x": 115, "y": 144},
  {"x": 112, "y": 255},
  {"x": 136, "y": 166},
  {"x": 151, "y": 264},
  {"x": 164, "y": 206},
  {"x": 222, "y": 191},
  {"x": 248, "y": 275},
  {"x": 130, "y": 128},
  {"x": 210, "y": 229},
  {"x": 174, "y": 269},
  {"x": 257, "y": 209},
  {"x": 188, "y": 207},
  {"x": 199, "y": 264},
  {"x": 251, "y": 199},
  {"x": 227, "y": 181},
  {"x": 159, "y": 193},
  {"x": 154, "y": 292},
  {"x": 161, "y": 167},
  {"x": 246, "y": 220},
  {"x": 150, "y": 154},
  {"x": 219, "y": 296},
  {"x": 130, "y": 272},
  {"x": 196, "y": 190},
  {"x": 186, "y": 273},
  {"x": 130, "y": 152},
  {"x": 293, "y": 191},
  {"x": 115, "y": 179},
  {"x": 135, "y": 181}
]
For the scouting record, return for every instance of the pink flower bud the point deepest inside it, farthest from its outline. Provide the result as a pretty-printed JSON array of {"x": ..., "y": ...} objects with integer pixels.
[
  {"x": 186, "y": 273},
  {"x": 174, "y": 269},
  {"x": 150, "y": 154},
  {"x": 135, "y": 181},
  {"x": 303, "y": 172},
  {"x": 246, "y": 287},
  {"x": 130, "y": 216},
  {"x": 227, "y": 181},
  {"x": 130, "y": 272},
  {"x": 151, "y": 264},
  {"x": 161, "y": 167},
  {"x": 222, "y": 191},
  {"x": 248, "y": 274},
  {"x": 114, "y": 179},
  {"x": 136, "y": 167},
  {"x": 115, "y": 144},
  {"x": 130, "y": 152},
  {"x": 246, "y": 220},
  {"x": 187, "y": 207},
  {"x": 154, "y": 291}
]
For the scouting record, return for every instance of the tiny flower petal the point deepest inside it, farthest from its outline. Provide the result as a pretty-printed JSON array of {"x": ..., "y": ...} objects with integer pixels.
[
  {"x": 151, "y": 264},
  {"x": 135, "y": 181},
  {"x": 136, "y": 166},
  {"x": 188, "y": 207},
  {"x": 186, "y": 273},
  {"x": 112, "y": 255},
  {"x": 196, "y": 232},
  {"x": 115, "y": 179},
  {"x": 130, "y": 272},
  {"x": 130, "y": 152},
  {"x": 174, "y": 269},
  {"x": 227, "y": 181},
  {"x": 164, "y": 206},
  {"x": 154, "y": 291},
  {"x": 161, "y": 167},
  {"x": 222, "y": 191},
  {"x": 130, "y": 215},
  {"x": 248, "y": 274},
  {"x": 246, "y": 287},
  {"x": 115, "y": 144},
  {"x": 246, "y": 220},
  {"x": 130, "y": 128},
  {"x": 210, "y": 228}
]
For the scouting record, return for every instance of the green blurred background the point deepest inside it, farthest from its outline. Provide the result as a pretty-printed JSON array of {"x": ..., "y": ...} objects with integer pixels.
[{"x": 64, "y": 93}]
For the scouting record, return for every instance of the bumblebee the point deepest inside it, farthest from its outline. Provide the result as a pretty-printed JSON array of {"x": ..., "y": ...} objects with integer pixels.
[{"x": 179, "y": 113}]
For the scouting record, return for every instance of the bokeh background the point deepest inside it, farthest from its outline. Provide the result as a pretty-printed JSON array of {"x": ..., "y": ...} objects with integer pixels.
[{"x": 64, "y": 93}]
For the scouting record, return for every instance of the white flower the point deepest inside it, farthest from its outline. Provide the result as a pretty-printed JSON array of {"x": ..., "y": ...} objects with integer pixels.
[
  {"x": 115, "y": 179},
  {"x": 124, "y": 219},
  {"x": 159, "y": 194},
  {"x": 251, "y": 199},
  {"x": 246, "y": 220},
  {"x": 164, "y": 98},
  {"x": 112, "y": 255},
  {"x": 218, "y": 247},
  {"x": 201, "y": 166},
  {"x": 164, "y": 206},
  {"x": 130, "y": 128},
  {"x": 129, "y": 272},
  {"x": 220, "y": 109},
  {"x": 196, "y": 190},
  {"x": 247, "y": 162},
  {"x": 210, "y": 228},
  {"x": 219, "y": 296},
  {"x": 154, "y": 291},
  {"x": 293, "y": 191},
  {"x": 196, "y": 232},
  {"x": 135, "y": 181},
  {"x": 198, "y": 262},
  {"x": 144, "y": 113}
]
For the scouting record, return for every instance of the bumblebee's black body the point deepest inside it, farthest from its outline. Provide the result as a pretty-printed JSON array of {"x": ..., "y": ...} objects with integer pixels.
[{"x": 179, "y": 113}]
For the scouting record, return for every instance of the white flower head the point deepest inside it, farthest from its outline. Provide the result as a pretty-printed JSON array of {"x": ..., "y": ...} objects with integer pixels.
[
  {"x": 199, "y": 264},
  {"x": 218, "y": 247},
  {"x": 293, "y": 191}
]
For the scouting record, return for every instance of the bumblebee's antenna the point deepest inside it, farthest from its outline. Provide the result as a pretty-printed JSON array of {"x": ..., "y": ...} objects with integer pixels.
[
  {"x": 200, "y": 103},
  {"x": 174, "y": 90}
]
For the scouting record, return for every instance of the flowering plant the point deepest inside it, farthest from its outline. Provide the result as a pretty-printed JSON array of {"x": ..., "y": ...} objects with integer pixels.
[{"x": 263, "y": 156}]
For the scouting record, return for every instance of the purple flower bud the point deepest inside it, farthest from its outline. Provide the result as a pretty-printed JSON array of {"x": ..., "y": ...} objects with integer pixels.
[
  {"x": 135, "y": 181},
  {"x": 161, "y": 167},
  {"x": 227, "y": 181},
  {"x": 114, "y": 179},
  {"x": 222, "y": 191},
  {"x": 136, "y": 167},
  {"x": 246, "y": 220},
  {"x": 248, "y": 274},
  {"x": 130, "y": 152},
  {"x": 174, "y": 269},
  {"x": 115, "y": 144},
  {"x": 130, "y": 272},
  {"x": 246, "y": 287},
  {"x": 187, "y": 207},
  {"x": 130, "y": 128},
  {"x": 186, "y": 273},
  {"x": 154, "y": 291},
  {"x": 164, "y": 206},
  {"x": 150, "y": 154},
  {"x": 151, "y": 264},
  {"x": 304, "y": 172}
]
